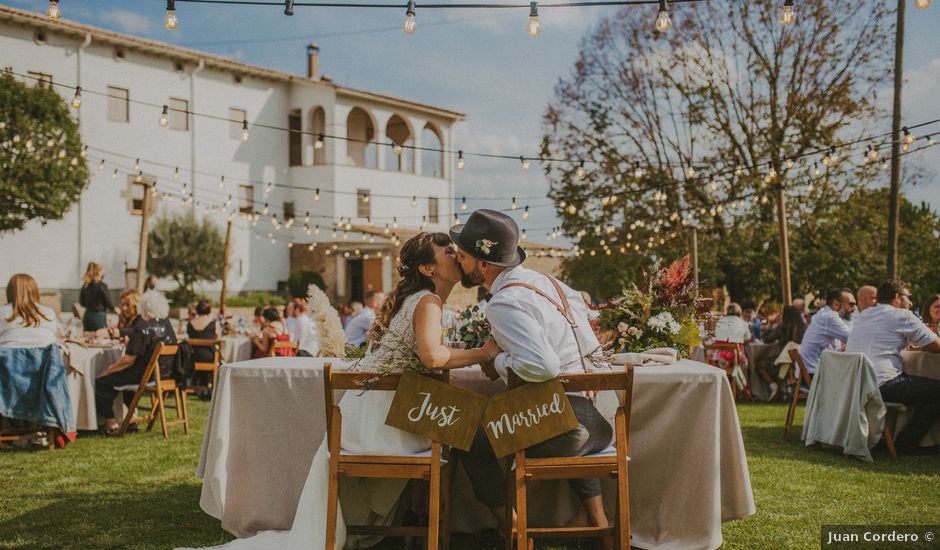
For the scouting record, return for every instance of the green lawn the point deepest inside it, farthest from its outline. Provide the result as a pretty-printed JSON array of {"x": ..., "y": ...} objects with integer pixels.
[{"x": 141, "y": 492}]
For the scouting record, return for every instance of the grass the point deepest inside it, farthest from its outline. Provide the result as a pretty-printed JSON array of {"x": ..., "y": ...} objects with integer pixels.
[{"x": 140, "y": 492}]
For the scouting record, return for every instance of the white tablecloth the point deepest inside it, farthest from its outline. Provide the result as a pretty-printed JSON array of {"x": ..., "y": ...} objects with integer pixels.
[
  {"x": 920, "y": 363},
  {"x": 84, "y": 365},
  {"x": 235, "y": 349},
  {"x": 688, "y": 471}
]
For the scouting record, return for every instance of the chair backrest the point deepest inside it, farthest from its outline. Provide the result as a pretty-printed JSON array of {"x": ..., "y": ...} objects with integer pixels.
[
  {"x": 153, "y": 370},
  {"x": 276, "y": 345},
  {"x": 215, "y": 344},
  {"x": 722, "y": 346},
  {"x": 802, "y": 375}
]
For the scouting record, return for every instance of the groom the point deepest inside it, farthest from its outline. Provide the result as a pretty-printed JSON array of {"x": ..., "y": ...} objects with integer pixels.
[{"x": 540, "y": 340}]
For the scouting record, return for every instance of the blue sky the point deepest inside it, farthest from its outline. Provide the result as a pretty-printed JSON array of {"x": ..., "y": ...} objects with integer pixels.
[{"x": 477, "y": 62}]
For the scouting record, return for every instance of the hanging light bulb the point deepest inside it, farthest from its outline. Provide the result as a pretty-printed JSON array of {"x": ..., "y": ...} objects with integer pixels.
[
  {"x": 826, "y": 159},
  {"x": 395, "y": 222},
  {"x": 460, "y": 161},
  {"x": 921, "y": 4},
  {"x": 789, "y": 164},
  {"x": 53, "y": 12},
  {"x": 222, "y": 182},
  {"x": 289, "y": 11},
  {"x": 738, "y": 170},
  {"x": 316, "y": 230},
  {"x": 101, "y": 165},
  {"x": 176, "y": 173},
  {"x": 137, "y": 165},
  {"x": 513, "y": 205},
  {"x": 525, "y": 213},
  {"x": 396, "y": 148},
  {"x": 873, "y": 153},
  {"x": 164, "y": 116},
  {"x": 414, "y": 201},
  {"x": 580, "y": 170},
  {"x": 534, "y": 28},
  {"x": 114, "y": 174},
  {"x": 463, "y": 203},
  {"x": 787, "y": 17},
  {"x": 663, "y": 22},
  {"x": 931, "y": 140},
  {"x": 171, "y": 22},
  {"x": 816, "y": 171},
  {"x": 637, "y": 170},
  {"x": 410, "y": 26},
  {"x": 690, "y": 172},
  {"x": 319, "y": 143},
  {"x": 77, "y": 98},
  {"x": 524, "y": 162},
  {"x": 316, "y": 196},
  {"x": 244, "y": 130},
  {"x": 264, "y": 211},
  {"x": 908, "y": 136}
]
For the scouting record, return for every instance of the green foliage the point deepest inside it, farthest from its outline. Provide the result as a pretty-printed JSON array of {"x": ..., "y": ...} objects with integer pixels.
[
  {"x": 187, "y": 250},
  {"x": 42, "y": 165},
  {"x": 255, "y": 299},
  {"x": 299, "y": 281}
]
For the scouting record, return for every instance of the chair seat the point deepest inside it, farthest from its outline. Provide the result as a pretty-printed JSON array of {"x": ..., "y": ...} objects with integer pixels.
[
  {"x": 164, "y": 384},
  {"x": 421, "y": 454}
]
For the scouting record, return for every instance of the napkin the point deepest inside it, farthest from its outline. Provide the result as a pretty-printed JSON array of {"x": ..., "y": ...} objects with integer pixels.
[{"x": 655, "y": 356}]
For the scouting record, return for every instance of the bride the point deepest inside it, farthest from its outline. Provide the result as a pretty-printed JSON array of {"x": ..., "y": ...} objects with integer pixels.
[{"x": 409, "y": 322}]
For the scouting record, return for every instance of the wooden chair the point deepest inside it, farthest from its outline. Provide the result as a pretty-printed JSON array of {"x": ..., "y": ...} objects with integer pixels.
[
  {"x": 725, "y": 346},
  {"x": 610, "y": 463},
  {"x": 27, "y": 432},
  {"x": 212, "y": 366},
  {"x": 425, "y": 466},
  {"x": 803, "y": 381},
  {"x": 282, "y": 345},
  {"x": 157, "y": 389}
]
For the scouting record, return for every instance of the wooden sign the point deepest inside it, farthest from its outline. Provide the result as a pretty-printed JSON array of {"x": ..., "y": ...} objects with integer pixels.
[
  {"x": 436, "y": 410},
  {"x": 529, "y": 414}
]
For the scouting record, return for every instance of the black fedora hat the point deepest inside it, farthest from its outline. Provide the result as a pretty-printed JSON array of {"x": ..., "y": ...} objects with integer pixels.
[{"x": 490, "y": 236}]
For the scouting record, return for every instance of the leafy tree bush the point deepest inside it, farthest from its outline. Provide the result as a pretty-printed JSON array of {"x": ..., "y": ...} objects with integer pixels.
[
  {"x": 187, "y": 250},
  {"x": 300, "y": 281},
  {"x": 42, "y": 164}
]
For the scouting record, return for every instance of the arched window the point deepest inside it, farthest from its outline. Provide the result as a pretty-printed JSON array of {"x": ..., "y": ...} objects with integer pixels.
[
  {"x": 398, "y": 132},
  {"x": 432, "y": 162},
  {"x": 360, "y": 151},
  {"x": 318, "y": 126}
]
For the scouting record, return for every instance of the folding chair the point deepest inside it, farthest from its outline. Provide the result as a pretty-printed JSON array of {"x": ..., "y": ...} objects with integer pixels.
[
  {"x": 425, "y": 466},
  {"x": 610, "y": 463},
  {"x": 283, "y": 345},
  {"x": 800, "y": 389},
  {"x": 212, "y": 366},
  {"x": 27, "y": 432},
  {"x": 157, "y": 389},
  {"x": 725, "y": 346}
]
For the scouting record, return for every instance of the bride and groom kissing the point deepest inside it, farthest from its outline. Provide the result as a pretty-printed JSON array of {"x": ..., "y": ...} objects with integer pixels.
[{"x": 539, "y": 330}]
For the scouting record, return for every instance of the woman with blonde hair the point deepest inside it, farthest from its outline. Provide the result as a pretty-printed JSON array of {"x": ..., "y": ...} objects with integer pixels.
[
  {"x": 95, "y": 298},
  {"x": 24, "y": 322}
]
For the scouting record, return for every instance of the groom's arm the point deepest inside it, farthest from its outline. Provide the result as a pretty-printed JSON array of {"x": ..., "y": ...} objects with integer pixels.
[{"x": 522, "y": 339}]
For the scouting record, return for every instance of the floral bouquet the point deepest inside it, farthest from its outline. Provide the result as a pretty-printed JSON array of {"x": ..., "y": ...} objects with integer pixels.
[
  {"x": 472, "y": 328},
  {"x": 663, "y": 313}
]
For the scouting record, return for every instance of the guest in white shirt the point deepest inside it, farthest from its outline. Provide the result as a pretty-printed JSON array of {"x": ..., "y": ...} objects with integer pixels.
[
  {"x": 847, "y": 308},
  {"x": 826, "y": 331},
  {"x": 308, "y": 336},
  {"x": 867, "y": 297},
  {"x": 882, "y": 332},
  {"x": 289, "y": 320},
  {"x": 732, "y": 328},
  {"x": 24, "y": 322},
  {"x": 357, "y": 330}
]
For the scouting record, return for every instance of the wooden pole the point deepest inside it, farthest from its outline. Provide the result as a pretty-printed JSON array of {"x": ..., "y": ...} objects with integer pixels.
[
  {"x": 228, "y": 249},
  {"x": 894, "y": 194},
  {"x": 144, "y": 236},
  {"x": 784, "y": 246},
  {"x": 695, "y": 259}
]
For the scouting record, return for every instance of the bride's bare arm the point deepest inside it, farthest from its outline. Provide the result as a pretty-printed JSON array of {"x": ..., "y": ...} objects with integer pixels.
[{"x": 429, "y": 340}]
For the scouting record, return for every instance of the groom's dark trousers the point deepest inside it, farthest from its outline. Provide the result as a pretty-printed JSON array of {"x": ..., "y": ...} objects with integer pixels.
[{"x": 592, "y": 435}]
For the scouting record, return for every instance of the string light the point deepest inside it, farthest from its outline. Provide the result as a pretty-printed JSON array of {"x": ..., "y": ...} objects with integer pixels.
[
  {"x": 534, "y": 28},
  {"x": 396, "y": 148},
  {"x": 463, "y": 203},
  {"x": 264, "y": 210},
  {"x": 787, "y": 17},
  {"x": 53, "y": 12},
  {"x": 460, "y": 161},
  {"x": 319, "y": 142},
  {"x": 114, "y": 174},
  {"x": 77, "y": 98},
  {"x": 931, "y": 140},
  {"x": 101, "y": 165},
  {"x": 921, "y": 4},
  {"x": 524, "y": 162},
  {"x": 789, "y": 164},
  {"x": 244, "y": 130},
  {"x": 410, "y": 25},
  {"x": 171, "y": 22},
  {"x": 414, "y": 201},
  {"x": 663, "y": 22},
  {"x": 637, "y": 170},
  {"x": 690, "y": 172},
  {"x": 513, "y": 205},
  {"x": 288, "y": 11},
  {"x": 580, "y": 170},
  {"x": 164, "y": 116},
  {"x": 908, "y": 136},
  {"x": 176, "y": 173},
  {"x": 222, "y": 182},
  {"x": 136, "y": 165},
  {"x": 316, "y": 196},
  {"x": 525, "y": 213}
]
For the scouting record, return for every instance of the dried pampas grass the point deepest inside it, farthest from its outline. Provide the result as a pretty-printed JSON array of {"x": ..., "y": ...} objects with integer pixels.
[{"x": 332, "y": 337}]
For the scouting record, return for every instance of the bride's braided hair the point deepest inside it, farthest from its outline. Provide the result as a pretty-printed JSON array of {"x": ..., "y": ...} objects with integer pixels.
[{"x": 417, "y": 251}]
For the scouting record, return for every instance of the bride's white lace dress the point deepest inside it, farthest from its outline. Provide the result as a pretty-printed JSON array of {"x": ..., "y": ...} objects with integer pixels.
[{"x": 362, "y": 501}]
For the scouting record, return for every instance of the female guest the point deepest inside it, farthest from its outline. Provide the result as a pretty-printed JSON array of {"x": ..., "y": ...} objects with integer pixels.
[
  {"x": 128, "y": 318},
  {"x": 731, "y": 329},
  {"x": 95, "y": 298},
  {"x": 154, "y": 329},
  {"x": 273, "y": 330},
  {"x": 203, "y": 326},
  {"x": 931, "y": 313},
  {"x": 789, "y": 329},
  {"x": 24, "y": 322}
]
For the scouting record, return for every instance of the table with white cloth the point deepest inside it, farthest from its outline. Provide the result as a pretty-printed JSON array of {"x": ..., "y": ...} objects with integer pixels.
[
  {"x": 235, "y": 349},
  {"x": 927, "y": 365},
  {"x": 84, "y": 365},
  {"x": 688, "y": 470}
]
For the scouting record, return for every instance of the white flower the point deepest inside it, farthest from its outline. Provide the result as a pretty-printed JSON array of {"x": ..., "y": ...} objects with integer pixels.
[
  {"x": 633, "y": 331},
  {"x": 622, "y": 327},
  {"x": 665, "y": 322}
]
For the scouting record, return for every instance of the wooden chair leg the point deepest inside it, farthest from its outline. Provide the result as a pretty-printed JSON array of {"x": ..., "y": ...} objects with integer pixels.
[
  {"x": 508, "y": 523},
  {"x": 332, "y": 502},
  {"x": 889, "y": 440},
  {"x": 131, "y": 409},
  {"x": 161, "y": 405},
  {"x": 791, "y": 413},
  {"x": 447, "y": 481},
  {"x": 181, "y": 401},
  {"x": 154, "y": 409},
  {"x": 522, "y": 533},
  {"x": 622, "y": 540},
  {"x": 434, "y": 498}
]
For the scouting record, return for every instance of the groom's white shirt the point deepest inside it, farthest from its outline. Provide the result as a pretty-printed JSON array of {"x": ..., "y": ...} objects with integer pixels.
[{"x": 537, "y": 342}]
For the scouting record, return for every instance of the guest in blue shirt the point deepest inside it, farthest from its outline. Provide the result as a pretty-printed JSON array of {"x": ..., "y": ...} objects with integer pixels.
[
  {"x": 827, "y": 330},
  {"x": 357, "y": 330}
]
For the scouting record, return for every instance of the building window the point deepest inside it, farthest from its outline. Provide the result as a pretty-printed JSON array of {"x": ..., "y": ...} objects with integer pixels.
[
  {"x": 432, "y": 160},
  {"x": 288, "y": 210},
  {"x": 236, "y": 117},
  {"x": 398, "y": 133},
  {"x": 295, "y": 137},
  {"x": 246, "y": 196},
  {"x": 118, "y": 104},
  {"x": 433, "y": 215},
  {"x": 39, "y": 79},
  {"x": 364, "y": 203},
  {"x": 360, "y": 150},
  {"x": 136, "y": 187},
  {"x": 179, "y": 114}
]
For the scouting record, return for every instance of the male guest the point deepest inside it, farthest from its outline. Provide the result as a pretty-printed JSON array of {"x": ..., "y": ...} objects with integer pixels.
[
  {"x": 881, "y": 332},
  {"x": 867, "y": 297},
  {"x": 308, "y": 335},
  {"x": 847, "y": 310},
  {"x": 357, "y": 330},
  {"x": 827, "y": 327}
]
